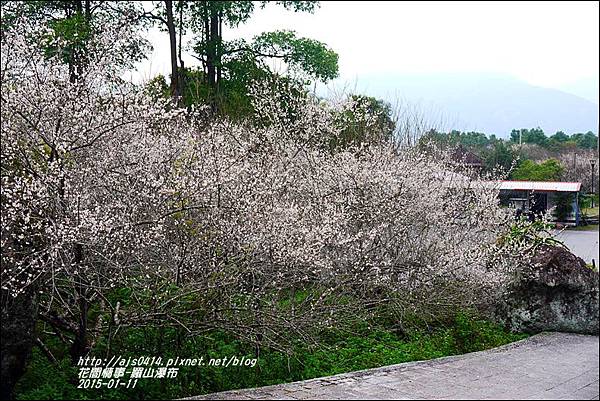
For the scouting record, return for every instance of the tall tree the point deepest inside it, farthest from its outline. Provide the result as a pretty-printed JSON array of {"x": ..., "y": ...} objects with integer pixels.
[
  {"x": 589, "y": 140},
  {"x": 163, "y": 14},
  {"x": 550, "y": 170},
  {"x": 534, "y": 135},
  {"x": 68, "y": 29},
  {"x": 206, "y": 20}
]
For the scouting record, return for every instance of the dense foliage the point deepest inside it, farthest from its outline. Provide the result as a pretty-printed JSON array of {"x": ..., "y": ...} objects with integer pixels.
[
  {"x": 228, "y": 211},
  {"x": 558, "y": 141},
  {"x": 339, "y": 351},
  {"x": 121, "y": 211},
  {"x": 550, "y": 170},
  {"x": 529, "y": 154}
]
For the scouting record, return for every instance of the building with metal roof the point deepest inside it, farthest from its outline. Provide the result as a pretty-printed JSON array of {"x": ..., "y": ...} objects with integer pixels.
[
  {"x": 538, "y": 197},
  {"x": 545, "y": 186}
]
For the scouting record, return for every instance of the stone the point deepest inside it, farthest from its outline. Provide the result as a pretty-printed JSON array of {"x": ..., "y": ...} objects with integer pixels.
[{"x": 558, "y": 293}]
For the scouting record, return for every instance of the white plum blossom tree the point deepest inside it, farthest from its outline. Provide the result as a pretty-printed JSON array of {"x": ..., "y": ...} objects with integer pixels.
[{"x": 258, "y": 228}]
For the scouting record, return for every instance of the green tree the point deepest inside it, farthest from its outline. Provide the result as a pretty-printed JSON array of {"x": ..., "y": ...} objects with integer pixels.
[
  {"x": 221, "y": 60},
  {"x": 242, "y": 62},
  {"x": 564, "y": 205},
  {"x": 474, "y": 141},
  {"x": 558, "y": 141},
  {"x": 227, "y": 67},
  {"x": 559, "y": 137},
  {"x": 471, "y": 140},
  {"x": 171, "y": 17},
  {"x": 498, "y": 155},
  {"x": 365, "y": 120},
  {"x": 533, "y": 135},
  {"x": 589, "y": 140},
  {"x": 68, "y": 28},
  {"x": 433, "y": 137},
  {"x": 528, "y": 170}
]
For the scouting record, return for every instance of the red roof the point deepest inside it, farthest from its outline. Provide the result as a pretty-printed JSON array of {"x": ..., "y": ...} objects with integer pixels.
[{"x": 547, "y": 186}]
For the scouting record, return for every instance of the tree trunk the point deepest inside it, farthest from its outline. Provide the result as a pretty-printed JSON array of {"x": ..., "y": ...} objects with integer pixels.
[
  {"x": 213, "y": 70},
  {"x": 78, "y": 58},
  {"x": 19, "y": 315},
  {"x": 219, "y": 51},
  {"x": 76, "y": 54},
  {"x": 175, "y": 93},
  {"x": 182, "y": 81},
  {"x": 211, "y": 51},
  {"x": 80, "y": 346},
  {"x": 206, "y": 33},
  {"x": 70, "y": 59}
]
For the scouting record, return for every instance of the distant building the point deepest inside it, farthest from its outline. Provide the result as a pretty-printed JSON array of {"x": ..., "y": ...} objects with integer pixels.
[
  {"x": 467, "y": 158},
  {"x": 527, "y": 198},
  {"x": 538, "y": 197}
]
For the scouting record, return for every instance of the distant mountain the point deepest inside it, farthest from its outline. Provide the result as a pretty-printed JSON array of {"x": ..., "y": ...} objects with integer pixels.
[
  {"x": 494, "y": 104},
  {"x": 586, "y": 88}
]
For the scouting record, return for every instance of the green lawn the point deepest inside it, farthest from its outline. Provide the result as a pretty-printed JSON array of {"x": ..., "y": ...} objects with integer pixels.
[{"x": 590, "y": 227}]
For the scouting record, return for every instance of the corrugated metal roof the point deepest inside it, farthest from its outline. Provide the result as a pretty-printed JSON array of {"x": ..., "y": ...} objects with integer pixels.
[{"x": 540, "y": 186}]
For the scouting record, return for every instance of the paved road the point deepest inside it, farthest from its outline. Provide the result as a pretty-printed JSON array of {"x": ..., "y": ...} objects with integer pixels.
[
  {"x": 545, "y": 366},
  {"x": 582, "y": 243}
]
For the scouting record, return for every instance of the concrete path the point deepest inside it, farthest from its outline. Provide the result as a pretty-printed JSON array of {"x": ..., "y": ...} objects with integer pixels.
[
  {"x": 582, "y": 243},
  {"x": 545, "y": 366}
]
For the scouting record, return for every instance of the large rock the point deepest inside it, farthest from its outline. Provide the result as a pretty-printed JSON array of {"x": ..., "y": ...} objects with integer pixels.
[{"x": 557, "y": 293}]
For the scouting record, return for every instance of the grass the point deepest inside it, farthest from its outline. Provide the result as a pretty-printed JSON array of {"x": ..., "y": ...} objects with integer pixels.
[
  {"x": 590, "y": 211},
  {"x": 589, "y": 227},
  {"x": 340, "y": 352}
]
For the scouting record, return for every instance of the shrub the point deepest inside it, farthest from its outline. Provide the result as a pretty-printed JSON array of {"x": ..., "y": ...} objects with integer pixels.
[
  {"x": 338, "y": 351},
  {"x": 120, "y": 211}
]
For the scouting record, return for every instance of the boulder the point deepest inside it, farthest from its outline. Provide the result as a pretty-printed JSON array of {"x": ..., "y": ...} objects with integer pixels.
[{"x": 557, "y": 292}]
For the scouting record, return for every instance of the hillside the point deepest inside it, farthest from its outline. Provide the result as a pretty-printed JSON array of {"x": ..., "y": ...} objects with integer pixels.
[{"x": 494, "y": 104}]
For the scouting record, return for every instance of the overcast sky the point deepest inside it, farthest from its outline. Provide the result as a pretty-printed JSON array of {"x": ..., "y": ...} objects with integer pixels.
[{"x": 548, "y": 44}]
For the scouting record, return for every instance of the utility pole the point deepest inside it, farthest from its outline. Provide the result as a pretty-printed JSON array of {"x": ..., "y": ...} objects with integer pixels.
[
  {"x": 520, "y": 138},
  {"x": 593, "y": 164},
  {"x": 520, "y": 143}
]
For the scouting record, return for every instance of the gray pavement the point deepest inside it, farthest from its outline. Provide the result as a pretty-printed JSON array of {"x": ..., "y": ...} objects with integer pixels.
[
  {"x": 582, "y": 243},
  {"x": 545, "y": 366}
]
